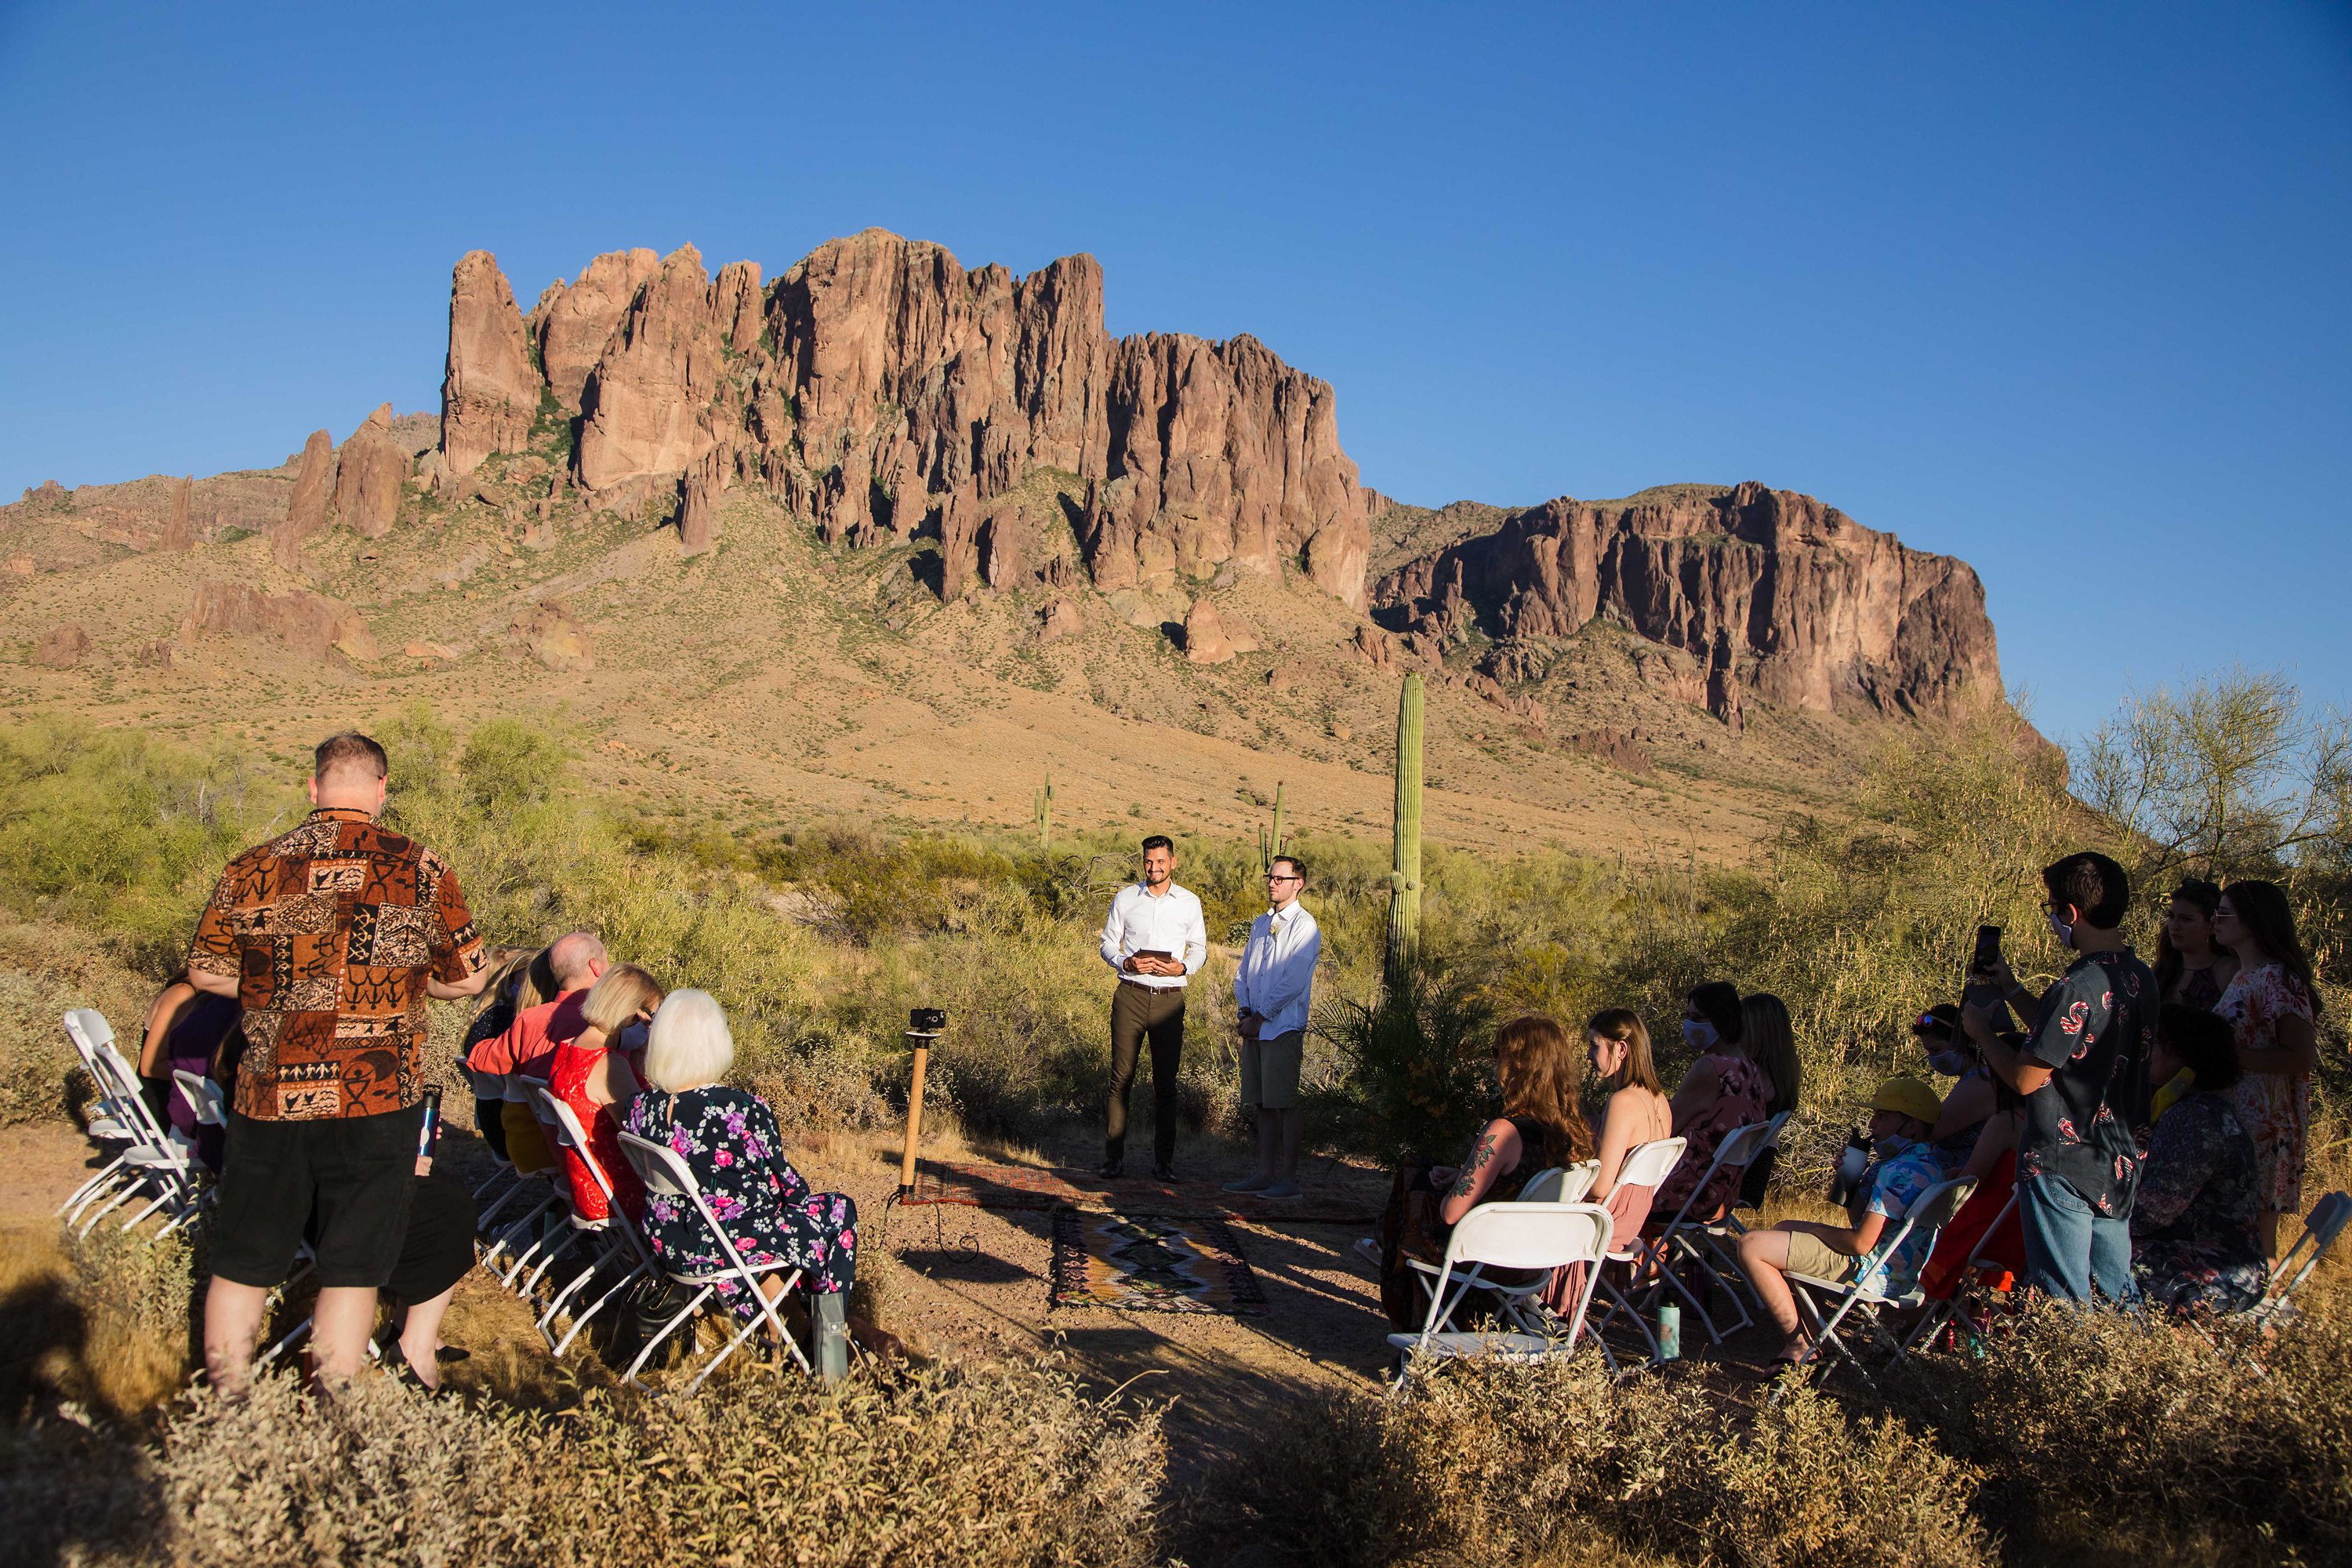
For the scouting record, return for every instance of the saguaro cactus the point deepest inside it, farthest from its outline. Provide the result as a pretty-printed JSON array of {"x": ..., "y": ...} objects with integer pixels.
[
  {"x": 1041, "y": 808},
  {"x": 1404, "y": 864},
  {"x": 1271, "y": 844}
]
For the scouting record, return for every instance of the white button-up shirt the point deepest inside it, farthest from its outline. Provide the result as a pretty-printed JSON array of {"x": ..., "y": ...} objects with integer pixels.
[
  {"x": 1276, "y": 977},
  {"x": 1169, "y": 924}
]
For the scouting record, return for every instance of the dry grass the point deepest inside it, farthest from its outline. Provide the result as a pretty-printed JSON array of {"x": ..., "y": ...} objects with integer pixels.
[
  {"x": 104, "y": 1324},
  {"x": 1505, "y": 1465}
]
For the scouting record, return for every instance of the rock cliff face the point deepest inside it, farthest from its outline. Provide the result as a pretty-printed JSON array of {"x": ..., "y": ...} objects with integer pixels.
[
  {"x": 880, "y": 388},
  {"x": 369, "y": 476},
  {"x": 1771, "y": 591}
]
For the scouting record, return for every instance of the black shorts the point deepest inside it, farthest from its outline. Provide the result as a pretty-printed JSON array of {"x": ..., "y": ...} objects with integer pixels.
[{"x": 355, "y": 1175}]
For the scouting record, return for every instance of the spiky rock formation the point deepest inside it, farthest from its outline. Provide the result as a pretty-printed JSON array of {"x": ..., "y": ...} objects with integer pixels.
[
  {"x": 305, "y": 512},
  {"x": 881, "y": 389}
]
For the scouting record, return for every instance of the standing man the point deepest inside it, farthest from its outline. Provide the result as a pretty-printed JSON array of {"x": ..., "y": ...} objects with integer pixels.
[
  {"x": 1272, "y": 988},
  {"x": 2084, "y": 1076},
  {"x": 1154, "y": 938},
  {"x": 330, "y": 937}
]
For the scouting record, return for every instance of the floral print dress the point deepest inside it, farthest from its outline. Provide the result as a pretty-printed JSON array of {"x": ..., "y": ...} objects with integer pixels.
[
  {"x": 2274, "y": 1107},
  {"x": 1741, "y": 1097},
  {"x": 2193, "y": 1238},
  {"x": 728, "y": 1139}
]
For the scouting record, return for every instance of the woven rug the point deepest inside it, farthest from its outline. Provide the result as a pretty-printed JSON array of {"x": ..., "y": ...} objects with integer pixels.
[
  {"x": 981, "y": 1185},
  {"x": 1150, "y": 1262}
]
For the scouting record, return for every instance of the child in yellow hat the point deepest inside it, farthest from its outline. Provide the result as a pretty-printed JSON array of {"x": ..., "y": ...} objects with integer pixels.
[{"x": 1902, "y": 1166}]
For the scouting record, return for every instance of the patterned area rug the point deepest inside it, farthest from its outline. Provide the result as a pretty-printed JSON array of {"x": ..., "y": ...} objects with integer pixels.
[
  {"x": 1150, "y": 1262},
  {"x": 987, "y": 1186}
]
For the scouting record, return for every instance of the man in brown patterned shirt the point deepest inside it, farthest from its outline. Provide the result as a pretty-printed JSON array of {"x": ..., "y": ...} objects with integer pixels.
[{"x": 331, "y": 937}]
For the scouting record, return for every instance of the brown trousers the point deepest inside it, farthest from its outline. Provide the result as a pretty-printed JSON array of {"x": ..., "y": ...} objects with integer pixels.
[{"x": 1139, "y": 1013}]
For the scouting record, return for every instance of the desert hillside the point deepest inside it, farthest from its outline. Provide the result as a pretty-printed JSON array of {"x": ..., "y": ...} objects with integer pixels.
[{"x": 895, "y": 538}]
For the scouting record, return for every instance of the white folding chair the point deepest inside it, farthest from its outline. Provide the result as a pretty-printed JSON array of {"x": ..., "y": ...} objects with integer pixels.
[
  {"x": 1866, "y": 1296},
  {"x": 2320, "y": 1230},
  {"x": 1536, "y": 1237},
  {"x": 158, "y": 1164},
  {"x": 620, "y": 1238},
  {"x": 1685, "y": 1238},
  {"x": 1723, "y": 1235},
  {"x": 1945, "y": 1311},
  {"x": 108, "y": 1125},
  {"x": 1646, "y": 1165},
  {"x": 666, "y": 1175},
  {"x": 536, "y": 1223},
  {"x": 1555, "y": 1185}
]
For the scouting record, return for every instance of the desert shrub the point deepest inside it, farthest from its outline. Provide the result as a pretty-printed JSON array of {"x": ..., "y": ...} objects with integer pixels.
[
  {"x": 1420, "y": 1057},
  {"x": 45, "y": 970},
  {"x": 77, "y": 1494},
  {"x": 2081, "y": 1420},
  {"x": 999, "y": 1466},
  {"x": 1490, "y": 1463}
]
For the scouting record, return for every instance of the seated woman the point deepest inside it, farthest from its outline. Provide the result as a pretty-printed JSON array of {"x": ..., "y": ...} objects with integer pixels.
[
  {"x": 1724, "y": 1091},
  {"x": 1903, "y": 1168},
  {"x": 1617, "y": 1046},
  {"x": 728, "y": 1139},
  {"x": 2195, "y": 1223},
  {"x": 1770, "y": 1040},
  {"x": 1539, "y": 1128},
  {"x": 593, "y": 1076},
  {"x": 193, "y": 1031},
  {"x": 1969, "y": 1105}
]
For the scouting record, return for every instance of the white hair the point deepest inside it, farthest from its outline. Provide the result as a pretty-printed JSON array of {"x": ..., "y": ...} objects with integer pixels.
[{"x": 689, "y": 1044}]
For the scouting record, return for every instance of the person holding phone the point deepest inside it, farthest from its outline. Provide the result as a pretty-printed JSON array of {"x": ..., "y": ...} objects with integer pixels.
[
  {"x": 1274, "y": 988},
  {"x": 2082, "y": 1072},
  {"x": 1154, "y": 940}
]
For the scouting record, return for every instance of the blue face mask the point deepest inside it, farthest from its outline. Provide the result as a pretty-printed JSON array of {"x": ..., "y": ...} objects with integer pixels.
[
  {"x": 2061, "y": 929},
  {"x": 1952, "y": 1062},
  {"x": 1700, "y": 1036}
]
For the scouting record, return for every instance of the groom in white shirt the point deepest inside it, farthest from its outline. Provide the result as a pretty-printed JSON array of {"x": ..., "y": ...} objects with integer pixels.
[
  {"x": 1154, "y": 938},
  {"x": 1272, "y": 988}
]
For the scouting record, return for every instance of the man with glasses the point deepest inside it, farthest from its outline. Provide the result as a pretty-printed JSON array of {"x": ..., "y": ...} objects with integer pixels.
[
  {"x": 1272, "y": 988},
  {"x": 1154, "y": 938}
]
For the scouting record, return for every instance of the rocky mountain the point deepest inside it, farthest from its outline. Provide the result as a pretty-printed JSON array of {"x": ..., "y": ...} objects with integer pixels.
[
  {"x": 1769, "y": 592},
  {"x": 881, "y": 390}
]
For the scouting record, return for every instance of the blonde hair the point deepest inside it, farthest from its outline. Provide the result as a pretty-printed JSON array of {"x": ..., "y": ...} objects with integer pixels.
[
  {"x": 1624, "y": 1026},
  {"x": 1540, "y": 1076},
  {"x": 616, "y": 999},
  {"x": 689, "y": 1044}
]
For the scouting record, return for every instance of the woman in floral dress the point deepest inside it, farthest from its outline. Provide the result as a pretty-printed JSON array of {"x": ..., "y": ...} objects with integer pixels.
[
  {"x": 2274, "y": 1009},
  {"x": 728, "y": 1139},
  {"x": 2194, "y": 1239}
]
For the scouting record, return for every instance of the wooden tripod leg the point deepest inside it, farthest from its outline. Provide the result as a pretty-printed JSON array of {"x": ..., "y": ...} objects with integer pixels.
[{"x": 914, "y": 1119}]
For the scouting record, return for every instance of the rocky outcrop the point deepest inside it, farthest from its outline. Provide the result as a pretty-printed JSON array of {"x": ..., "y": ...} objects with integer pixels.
[
  {"x": 882, "y": 390},
  {"x": 698, "y": 512},
  {"x": 313, "y": 624},
  {"x": 179, "y": 529},
  {"x": 370, "y": 476},
  {"x": 1204, "y": 635},
  {"x": 1770, "y": 591},
  {"x": 489, "y": 391},
  {"x": 573, "y": 324},
  {"x": 62, "y": 647},
  {"x": 548, "y": 632},
  {"x": 306, "y": 513}
]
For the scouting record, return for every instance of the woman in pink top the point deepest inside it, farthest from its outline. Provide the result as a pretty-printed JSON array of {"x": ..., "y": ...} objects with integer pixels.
[
  {"x": 1617, "y": 1045},
  {"x": 592, "y": 1074}
]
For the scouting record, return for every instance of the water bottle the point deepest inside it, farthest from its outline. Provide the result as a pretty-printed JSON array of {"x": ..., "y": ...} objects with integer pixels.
[
  {"x": 1670, "y": 1332},
  {"x": 1854, "y": 1162}
]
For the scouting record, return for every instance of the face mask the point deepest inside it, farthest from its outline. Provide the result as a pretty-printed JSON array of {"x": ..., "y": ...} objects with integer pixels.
[
  {"x": 2061, "y": 929},
  {"x": 1699, "y": 1035},
  {"x": 1953, "y": 1063}
]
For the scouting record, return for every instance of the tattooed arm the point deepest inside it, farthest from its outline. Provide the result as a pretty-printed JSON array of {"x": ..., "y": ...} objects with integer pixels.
[{"x": 1497, "y": 1151}]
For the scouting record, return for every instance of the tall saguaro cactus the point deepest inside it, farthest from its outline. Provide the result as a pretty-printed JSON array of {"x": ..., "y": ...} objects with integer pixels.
[
  {"x": 1041, "y": 808},
  {"x": 1271, "y": 844},
  {"x": 1404, "y": 864}
]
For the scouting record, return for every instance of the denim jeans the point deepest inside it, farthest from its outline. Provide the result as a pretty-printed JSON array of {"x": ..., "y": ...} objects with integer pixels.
[{"x": 2068, "y": 1249}]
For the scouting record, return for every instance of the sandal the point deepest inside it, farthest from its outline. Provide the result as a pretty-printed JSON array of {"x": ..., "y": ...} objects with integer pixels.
[{"x": 395, "y": 1362}]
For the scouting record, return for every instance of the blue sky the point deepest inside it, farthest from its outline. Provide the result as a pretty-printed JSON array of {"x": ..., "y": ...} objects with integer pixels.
[{"x": 2062, "y": 289}]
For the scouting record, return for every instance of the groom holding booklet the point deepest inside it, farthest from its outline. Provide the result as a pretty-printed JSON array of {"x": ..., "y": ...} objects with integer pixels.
[{"x": 1154, "y": 940}]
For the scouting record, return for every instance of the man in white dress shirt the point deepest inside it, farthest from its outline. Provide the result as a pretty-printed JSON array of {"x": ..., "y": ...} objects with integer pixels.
[
  {"x": 1154, "y": 938},
  {"x": 1272, "y": 988}
]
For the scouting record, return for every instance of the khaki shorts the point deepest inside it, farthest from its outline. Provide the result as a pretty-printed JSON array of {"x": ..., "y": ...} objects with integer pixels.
[
  {"x": 1270, "y": 1070},
  {"x": 1810, "y": 1254}
]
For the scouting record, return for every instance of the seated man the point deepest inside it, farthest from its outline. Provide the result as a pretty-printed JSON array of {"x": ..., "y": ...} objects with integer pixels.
[{"x": 1904, "y": 1166}]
